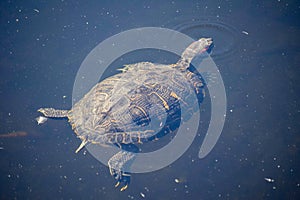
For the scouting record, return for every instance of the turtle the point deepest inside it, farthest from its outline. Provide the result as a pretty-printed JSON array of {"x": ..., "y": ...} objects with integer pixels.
[{"x": 128, "y": 107}]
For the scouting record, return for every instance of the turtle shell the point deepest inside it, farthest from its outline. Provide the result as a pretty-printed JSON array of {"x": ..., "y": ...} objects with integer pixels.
[{"x": 132, "y": 107}]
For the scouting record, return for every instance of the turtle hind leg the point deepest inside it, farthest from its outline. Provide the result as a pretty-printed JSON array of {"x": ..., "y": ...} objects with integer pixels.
[
  {"x": 51, "y": 112},
  {"x": 116, "y": 166}
]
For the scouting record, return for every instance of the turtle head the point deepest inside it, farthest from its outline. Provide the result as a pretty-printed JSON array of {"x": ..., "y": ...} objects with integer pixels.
[
  {"x": 200, "y": 46},
  {"x": 196, "y": 48}
]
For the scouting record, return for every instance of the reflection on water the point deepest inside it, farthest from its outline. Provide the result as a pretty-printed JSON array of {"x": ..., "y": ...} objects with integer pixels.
[
  {"x": 225, "y": 36},
  {"x": 14, "y": 134}
]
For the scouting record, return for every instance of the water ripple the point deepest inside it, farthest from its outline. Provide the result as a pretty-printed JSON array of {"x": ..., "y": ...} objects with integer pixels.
[{"x": 225, "y": 36}]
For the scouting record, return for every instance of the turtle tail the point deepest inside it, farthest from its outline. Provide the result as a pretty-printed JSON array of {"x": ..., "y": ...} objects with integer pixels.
[{"x": 51, "y": 112}]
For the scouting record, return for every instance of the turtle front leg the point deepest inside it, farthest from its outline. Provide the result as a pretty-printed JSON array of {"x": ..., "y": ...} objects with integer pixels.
[{"x": 116, "y": 167}]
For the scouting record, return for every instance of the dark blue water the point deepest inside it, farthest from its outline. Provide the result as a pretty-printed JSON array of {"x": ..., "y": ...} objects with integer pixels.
[{"x": 256, "y": 50}]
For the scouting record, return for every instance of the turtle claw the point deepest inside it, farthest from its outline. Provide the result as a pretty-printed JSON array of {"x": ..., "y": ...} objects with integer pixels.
[
  {"x": 116, "y": 168},
  {"x": 117, "y": 184},
  {"x": 124, "y": 188},
  {"x": 122, "y": 179}
]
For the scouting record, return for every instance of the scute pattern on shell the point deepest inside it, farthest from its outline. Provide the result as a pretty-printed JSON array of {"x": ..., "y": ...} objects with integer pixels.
[{"x": 106, "y": 109}]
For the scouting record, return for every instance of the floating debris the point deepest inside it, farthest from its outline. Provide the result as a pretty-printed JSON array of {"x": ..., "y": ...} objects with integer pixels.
[
  {"x": 36, "y": 10},
  {"x": 142, "y": 195},
  {"x": 146, "y": 189},
  {"x": 177, "y": 180},
  {"x": 269, "y": 180},
  {"x": 245, "y": 32},
  {"x": 64, "y": 96},
  {"x": 41, "y": 120}
]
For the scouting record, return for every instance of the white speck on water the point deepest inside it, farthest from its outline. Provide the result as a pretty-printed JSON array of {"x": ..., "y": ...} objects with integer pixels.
[
  {"x": 269, "y": 180},
  {"x": 36, "y": 10},
  {"x": 1, "y": 148},
  {"x": 130, "y": 197},
  {"x": 177, "y": 180},
  {"x": 142, "y": 195},
  {"x": 64, "y": 97},
  {"x": 245, "y": 32},
  {"x": 231, "y": 110}
]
